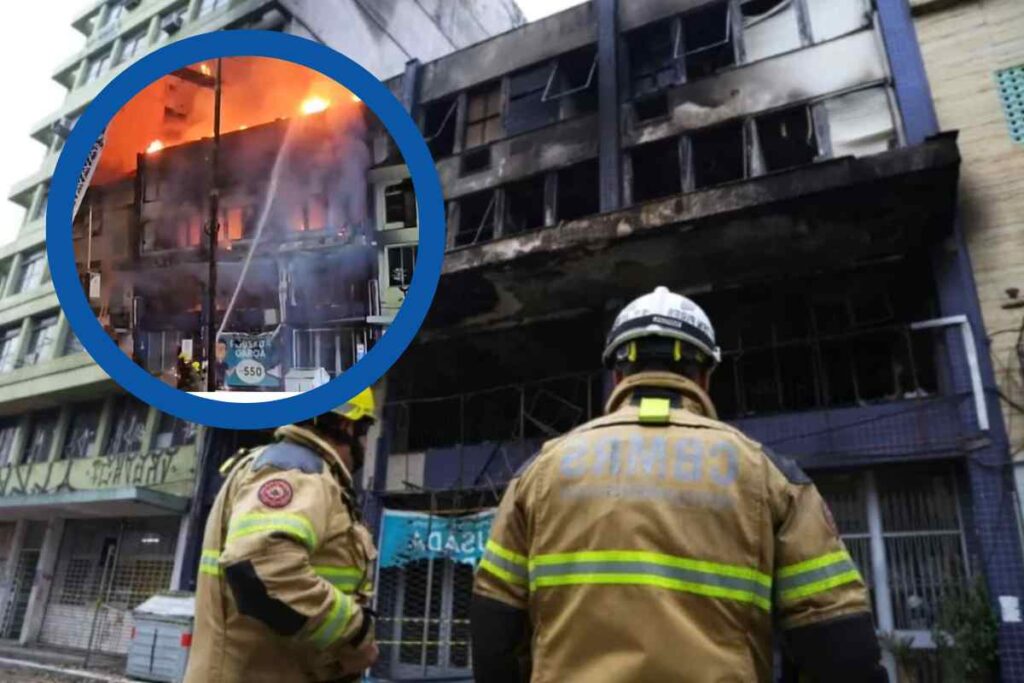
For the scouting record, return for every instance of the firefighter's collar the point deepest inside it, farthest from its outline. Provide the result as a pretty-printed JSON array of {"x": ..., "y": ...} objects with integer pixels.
[
  {"x": 316, "y": 443},
  {"x": 692, "y": 397}
]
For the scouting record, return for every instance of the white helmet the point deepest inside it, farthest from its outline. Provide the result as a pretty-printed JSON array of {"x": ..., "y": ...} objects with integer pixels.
[{"x": 662, "y": 314}]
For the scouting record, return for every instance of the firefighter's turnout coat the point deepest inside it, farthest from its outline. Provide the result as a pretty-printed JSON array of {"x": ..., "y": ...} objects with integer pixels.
[
  {"x": 285, "y": 569},
  {"x": 659, "y": 544}
]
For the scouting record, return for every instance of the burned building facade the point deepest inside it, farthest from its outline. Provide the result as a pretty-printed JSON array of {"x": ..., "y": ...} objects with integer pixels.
[
  {"x": 296, "y": 258},
  {"x": 770, "y": 159}
]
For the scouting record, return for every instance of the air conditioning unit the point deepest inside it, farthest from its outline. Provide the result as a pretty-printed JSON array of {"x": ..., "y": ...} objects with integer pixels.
[
  {"x": 131, "y": 4},
  {"x": 171, "y": 24}
]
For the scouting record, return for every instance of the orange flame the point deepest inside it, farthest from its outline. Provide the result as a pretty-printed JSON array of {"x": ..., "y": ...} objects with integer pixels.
[
  {"x": 154, "y": 146},
  {"x": 313, "y": 105}
]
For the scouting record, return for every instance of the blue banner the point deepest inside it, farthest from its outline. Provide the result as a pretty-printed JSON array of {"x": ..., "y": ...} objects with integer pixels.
[
  {"x": 409, "y": 536},
  {"x": 252, "y": 360}
]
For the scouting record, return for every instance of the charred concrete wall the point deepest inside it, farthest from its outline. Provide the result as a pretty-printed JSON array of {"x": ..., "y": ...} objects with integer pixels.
[{"x": 383, "y": 36}]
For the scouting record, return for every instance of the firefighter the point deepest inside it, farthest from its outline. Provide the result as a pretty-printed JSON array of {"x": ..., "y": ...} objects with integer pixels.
[
  {"x": 657, "y": 543},
  {"x": 286, "y": 572}
]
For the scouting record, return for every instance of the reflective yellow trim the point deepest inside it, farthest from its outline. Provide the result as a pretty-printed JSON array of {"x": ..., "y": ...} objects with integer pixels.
[
  {"x": 340, "y": 577},
  {"x": 505, "y": 553},
  {"x": 820, "y": 586},
  {"x": 503, "y": 574},
  {"x": 653, "y": 558},
  {"x": 657, "y": 581},
  {"x": 632, "y": 352},
  {"x": 296, "y": 526},
  {"x": 209, "y": 562},
  {"x": 655, "y": 410},
  {"x": 335, "y": 622},
  {"x": 813, "y": 563}
]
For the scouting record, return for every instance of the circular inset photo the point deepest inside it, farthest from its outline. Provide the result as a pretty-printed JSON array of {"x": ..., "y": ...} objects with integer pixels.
[{"x": 245, "y": 239}]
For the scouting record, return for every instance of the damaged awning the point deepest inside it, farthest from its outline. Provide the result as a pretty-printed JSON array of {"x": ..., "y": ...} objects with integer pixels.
[
  {"x": 129, "y": 501},
  {"x": 823, "y": 215}
]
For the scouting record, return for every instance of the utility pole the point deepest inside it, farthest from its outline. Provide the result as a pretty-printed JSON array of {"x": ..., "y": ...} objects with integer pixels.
[{"x": 213, "y": 232}]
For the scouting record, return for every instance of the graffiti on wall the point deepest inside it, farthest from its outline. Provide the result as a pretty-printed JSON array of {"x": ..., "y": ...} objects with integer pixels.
[{"x": 155, "y": 468}]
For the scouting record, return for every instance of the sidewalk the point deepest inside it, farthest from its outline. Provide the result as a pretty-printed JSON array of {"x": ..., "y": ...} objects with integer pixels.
[{"x": 44, "y": 663}]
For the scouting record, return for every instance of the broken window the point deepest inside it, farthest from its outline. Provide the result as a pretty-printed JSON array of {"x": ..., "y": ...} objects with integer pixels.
[
  {"x": 787, "y": 138},
  {"x": 41, "y": 336},
  {"x": 483, "y": 116},
  {"x": 717, "y": 155},
  {"x": 172, "y": 432},
  {"x": 527, "y": 108},
  {"x": 400, "y": 205},
  {"x": 476, "y": 218},
  {"x": 439, "y": 126},
  {"x": 231, "y": 224},
  {"x": 31, "y": 272},
  {"x": 860, "y": 123},
  {"x": 524, "y": 205},
  {"x": 707, "y": 39},
  {"x": 577, "y": 191},
  {"x": 770, "y": 28},
  {"x": 40, "y": 437},
  {"x": 316, "y": 212},
  {"x": 8, "y": 431},
  {"x": 656, "y": 170},
  {"x": 189, "y": 231},
  {"x": 574, "y": 81},
  {"x": 129, "y": 417},
  {"x": 82, "y": 431},
  {"x": 9, "y": 348},
  {"x": 401, "y": 261},
  {"x": 833, "y": 18},
  {"x": 652, "y": 57}
]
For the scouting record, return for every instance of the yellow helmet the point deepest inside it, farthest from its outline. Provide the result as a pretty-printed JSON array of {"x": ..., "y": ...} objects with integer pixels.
[{"x": 359, "y": 407}]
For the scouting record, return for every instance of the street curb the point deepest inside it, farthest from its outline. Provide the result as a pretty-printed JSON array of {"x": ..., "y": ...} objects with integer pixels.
[{"x": 64, "y": 671}]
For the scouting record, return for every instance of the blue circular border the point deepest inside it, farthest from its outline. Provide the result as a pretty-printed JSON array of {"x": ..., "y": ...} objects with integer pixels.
[{"x": 406, "y": 135}]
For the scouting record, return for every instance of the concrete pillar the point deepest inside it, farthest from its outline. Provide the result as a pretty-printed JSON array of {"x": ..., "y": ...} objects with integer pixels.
[
  {"x": 12, "y": 276},
  {"x": 10, "y": 566},
  {"x": 63, "y": 420},
  {"x": 608, "y": 107},
  {"x": 879, "y": 567},
  {"x": 103, "y": 430},
  {"x": 43, "y": 581},
  {"x": 19, "y": 349},
  {"x": 60, "y": 339},
  {"x": 153, "y": 31},
  {"x": 34, "y": 207},
  {"x": 101, "y": 18},
  {"x": 116, "y": 51},
  {"x": 193, "y": 10},
  {"x": 81, "y": 74},
  {"x": 152, "y": 422},
  {"x": 179, "y": 555}
]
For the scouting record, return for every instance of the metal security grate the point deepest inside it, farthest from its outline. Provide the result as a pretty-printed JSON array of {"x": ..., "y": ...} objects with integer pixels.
[{"x": 1011, "y": 92}]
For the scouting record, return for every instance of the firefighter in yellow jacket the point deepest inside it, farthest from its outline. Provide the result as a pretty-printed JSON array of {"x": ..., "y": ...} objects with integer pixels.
[
  {"x": 286, "y": 568},
  {"x": 659, "y": 544}
]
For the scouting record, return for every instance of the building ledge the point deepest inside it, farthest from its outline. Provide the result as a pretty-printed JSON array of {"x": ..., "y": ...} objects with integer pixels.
[
  {"x": 832, "y": 213},
  {"x": 68, "y": 378},
  {"x": 130, "y": 501}
]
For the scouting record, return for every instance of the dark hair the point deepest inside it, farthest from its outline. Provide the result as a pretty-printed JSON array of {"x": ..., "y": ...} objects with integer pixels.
[{"x": 657, "y": 354}]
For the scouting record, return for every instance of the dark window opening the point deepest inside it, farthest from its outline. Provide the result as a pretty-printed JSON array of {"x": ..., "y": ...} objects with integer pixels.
[
  {"x": 476, "y": 218},
  {"x": 524, "y": 205},
  {"x": 477, "y": 160},
  {"x": 483, "y": 116},
  {"x": 787, "y": 138},
  {"x": 651, "y": 106},
  {"x": 575, "y": 75},
  {"x": 708, "y": 40},
  {"x": 400, "y": 205},
  {"x": 527, "y": 107},
  {"x": 656, "y": 170},
  {"x": 756, "y": 8},
  {"x": 652, "y": 61},
  {"x": 439, "y": 126},
  {"x": 718, "y": 155},
  {"x": 401, "y": 264},
  {"x": 577, "y": 191}
]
